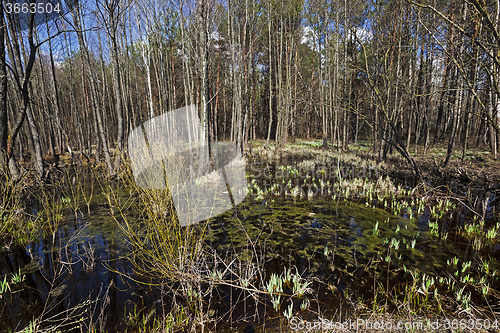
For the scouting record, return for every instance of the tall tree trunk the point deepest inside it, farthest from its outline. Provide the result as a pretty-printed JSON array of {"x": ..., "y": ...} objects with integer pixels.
[
  {"x": 92, "y": 85},
  {"x": 3, "y": 95},
  {"x": 113, "y": 11},
  {"x": 56, "y": 98},
  {"x": 456, "y": 120},
  {"x": 491, "y": 111},
  {"x": 23, "y": 77},
  {"x": 269, "y": 24}
]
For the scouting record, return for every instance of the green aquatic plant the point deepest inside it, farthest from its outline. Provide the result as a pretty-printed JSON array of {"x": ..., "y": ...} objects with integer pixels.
[
  {"x": 466, "y": 266},
  {"x": 276, "y": 301},
  {"x": 479, "y": 234},
  {"x": 288, "y": 312},
  {"x": 4, "y": 286},
  {"x": 17, "y": 277},
  {"x": 395, "y": 243},
  {"x": 493, "y": 232},
  {"x": 31, "y": 328},
  {"x": 275, "y": 284},
  {"x": 434, "y": 228},
  {"x": 300, "y": 288},
  {"x": 375, "y": 229},
  {"x": 305, "y": 304}
]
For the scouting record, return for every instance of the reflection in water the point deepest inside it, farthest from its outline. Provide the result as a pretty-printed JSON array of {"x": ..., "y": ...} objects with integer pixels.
[
  {"x": 334, "y": 241},
  {"x": 79, "y": 264}
]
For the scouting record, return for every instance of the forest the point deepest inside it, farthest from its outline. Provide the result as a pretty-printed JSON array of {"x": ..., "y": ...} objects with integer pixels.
[
  {"x": 404, "y": 75},
  {"x": 367, "y": 133}
]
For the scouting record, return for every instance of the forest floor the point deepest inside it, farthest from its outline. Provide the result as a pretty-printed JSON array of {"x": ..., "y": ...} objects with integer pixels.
[{"x": 477, "y": 172}]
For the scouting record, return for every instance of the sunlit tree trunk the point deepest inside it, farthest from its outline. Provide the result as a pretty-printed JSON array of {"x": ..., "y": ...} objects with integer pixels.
[
  {"x": 89, "y": 74},
  {"x": 23, "y": 79},
  {"x": 113, "y": 11}
]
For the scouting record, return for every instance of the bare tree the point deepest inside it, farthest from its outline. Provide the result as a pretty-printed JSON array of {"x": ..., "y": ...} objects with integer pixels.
[
  {"x": 111, "y": 12},
  {"x": 90, "y": 75},
  {"x": 3, "y": 95},
  {"x": 22, "y": 75}
]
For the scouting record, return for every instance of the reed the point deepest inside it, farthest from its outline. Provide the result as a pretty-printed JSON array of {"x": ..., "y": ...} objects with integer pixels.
[
  {"x": 177, "y": 259},
  {"x": 12, "y": 224}
]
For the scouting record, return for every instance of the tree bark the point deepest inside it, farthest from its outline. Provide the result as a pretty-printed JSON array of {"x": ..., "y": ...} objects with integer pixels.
[{"x": 3, "y": 95}]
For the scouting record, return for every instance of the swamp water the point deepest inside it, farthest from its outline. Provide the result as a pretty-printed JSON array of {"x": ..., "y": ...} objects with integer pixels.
[{"x": 350, "y": 248}]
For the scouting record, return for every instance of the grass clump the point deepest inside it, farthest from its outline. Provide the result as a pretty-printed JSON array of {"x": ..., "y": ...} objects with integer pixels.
[{"x": 15, "y": 227}]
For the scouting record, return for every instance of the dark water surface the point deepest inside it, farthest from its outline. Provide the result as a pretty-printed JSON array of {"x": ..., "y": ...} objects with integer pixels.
[{"x": 332, "y": 240}]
